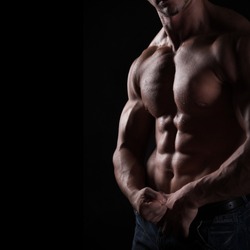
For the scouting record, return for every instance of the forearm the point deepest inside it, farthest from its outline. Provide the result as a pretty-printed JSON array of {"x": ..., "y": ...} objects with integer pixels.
[
  {"x": 129, "y": 173},
  {"x": 232, "y": 179}
]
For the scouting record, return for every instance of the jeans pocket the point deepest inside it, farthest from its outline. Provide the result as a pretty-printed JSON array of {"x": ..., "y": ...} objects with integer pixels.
[
  {"x": 223, "y": 236},
  {"x": 201, "y": 241},
  {"x": 214, "y": 236}
]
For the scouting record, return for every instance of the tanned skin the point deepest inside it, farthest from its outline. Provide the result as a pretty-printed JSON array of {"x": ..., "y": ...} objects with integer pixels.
[{"x": 191, "y": 88}]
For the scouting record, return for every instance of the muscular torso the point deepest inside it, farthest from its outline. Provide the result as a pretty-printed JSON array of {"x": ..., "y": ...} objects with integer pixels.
[{"x": 196, "y": 126}]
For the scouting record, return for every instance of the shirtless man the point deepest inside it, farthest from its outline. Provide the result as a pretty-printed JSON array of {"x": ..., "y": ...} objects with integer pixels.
[{"x": 191, "y": 89}]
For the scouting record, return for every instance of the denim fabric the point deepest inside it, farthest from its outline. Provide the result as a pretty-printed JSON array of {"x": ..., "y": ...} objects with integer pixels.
[{"x": 230, "y": 231}]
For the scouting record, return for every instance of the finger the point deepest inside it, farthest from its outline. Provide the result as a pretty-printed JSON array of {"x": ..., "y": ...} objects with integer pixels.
[
  {"x": 153, "y": 210},
  {"x": 151, "y": 194}
]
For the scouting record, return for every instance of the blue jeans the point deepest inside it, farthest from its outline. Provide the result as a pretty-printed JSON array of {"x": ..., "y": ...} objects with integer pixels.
[{"x": 230, "y": 231}]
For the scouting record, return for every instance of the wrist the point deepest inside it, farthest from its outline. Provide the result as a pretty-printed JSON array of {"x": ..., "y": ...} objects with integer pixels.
[
  {"x": 134, "y": 199},
  {"x": 192, "y": 195}
]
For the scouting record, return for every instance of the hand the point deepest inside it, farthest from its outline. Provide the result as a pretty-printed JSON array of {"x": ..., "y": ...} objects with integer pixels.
[
  {"x": 151, "y": 205},
  {"x": 179, "y": 215}
]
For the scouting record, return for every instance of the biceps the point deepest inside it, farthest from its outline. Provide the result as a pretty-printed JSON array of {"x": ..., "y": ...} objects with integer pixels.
[
  {"x": 136, "y": 126},
  {"x": 243, "y": 83},
  {"x": 243, "y": 59}
]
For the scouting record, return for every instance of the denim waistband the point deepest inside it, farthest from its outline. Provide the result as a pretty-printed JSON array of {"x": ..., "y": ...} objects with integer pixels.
[{"x": 223, "y": 207}]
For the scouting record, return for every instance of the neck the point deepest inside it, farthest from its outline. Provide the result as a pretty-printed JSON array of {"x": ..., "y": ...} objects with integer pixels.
[{"x": 191, "y": 21}]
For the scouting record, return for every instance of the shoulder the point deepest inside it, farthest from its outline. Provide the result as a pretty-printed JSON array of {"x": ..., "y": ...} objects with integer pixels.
[
  {"x": 136, "y": 68},
  {"x": 232, "y": 53},
  {"x": 228, "y": 25},
  {"x": 152, "y": 52},
  {"x": 231, "y": 42},
  {"x": 159, "y": 43},
  {"x": 143, "y": 62},
  {"x": 228, "y": 20}
]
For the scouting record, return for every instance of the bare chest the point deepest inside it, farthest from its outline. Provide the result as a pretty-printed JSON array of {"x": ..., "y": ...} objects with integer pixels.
[{"x": 185, "y": 82}]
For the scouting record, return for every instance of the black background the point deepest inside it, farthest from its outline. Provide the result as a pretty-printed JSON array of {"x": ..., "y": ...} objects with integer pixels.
[{"x": 114, "y": 34}]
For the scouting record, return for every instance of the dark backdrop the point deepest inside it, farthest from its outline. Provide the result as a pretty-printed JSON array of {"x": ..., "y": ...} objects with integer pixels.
[{"x": 115, "y": 33}]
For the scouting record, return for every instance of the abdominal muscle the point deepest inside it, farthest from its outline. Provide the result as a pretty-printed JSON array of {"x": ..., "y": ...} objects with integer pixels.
[{"x": 182, "y": 157}]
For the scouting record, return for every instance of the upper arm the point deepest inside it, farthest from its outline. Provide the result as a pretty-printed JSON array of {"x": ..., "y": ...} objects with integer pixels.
[
  {"x": 233, "y": 54},
  {"x": 243, "y": 78},
  {"x": 136, "y": 124}
]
